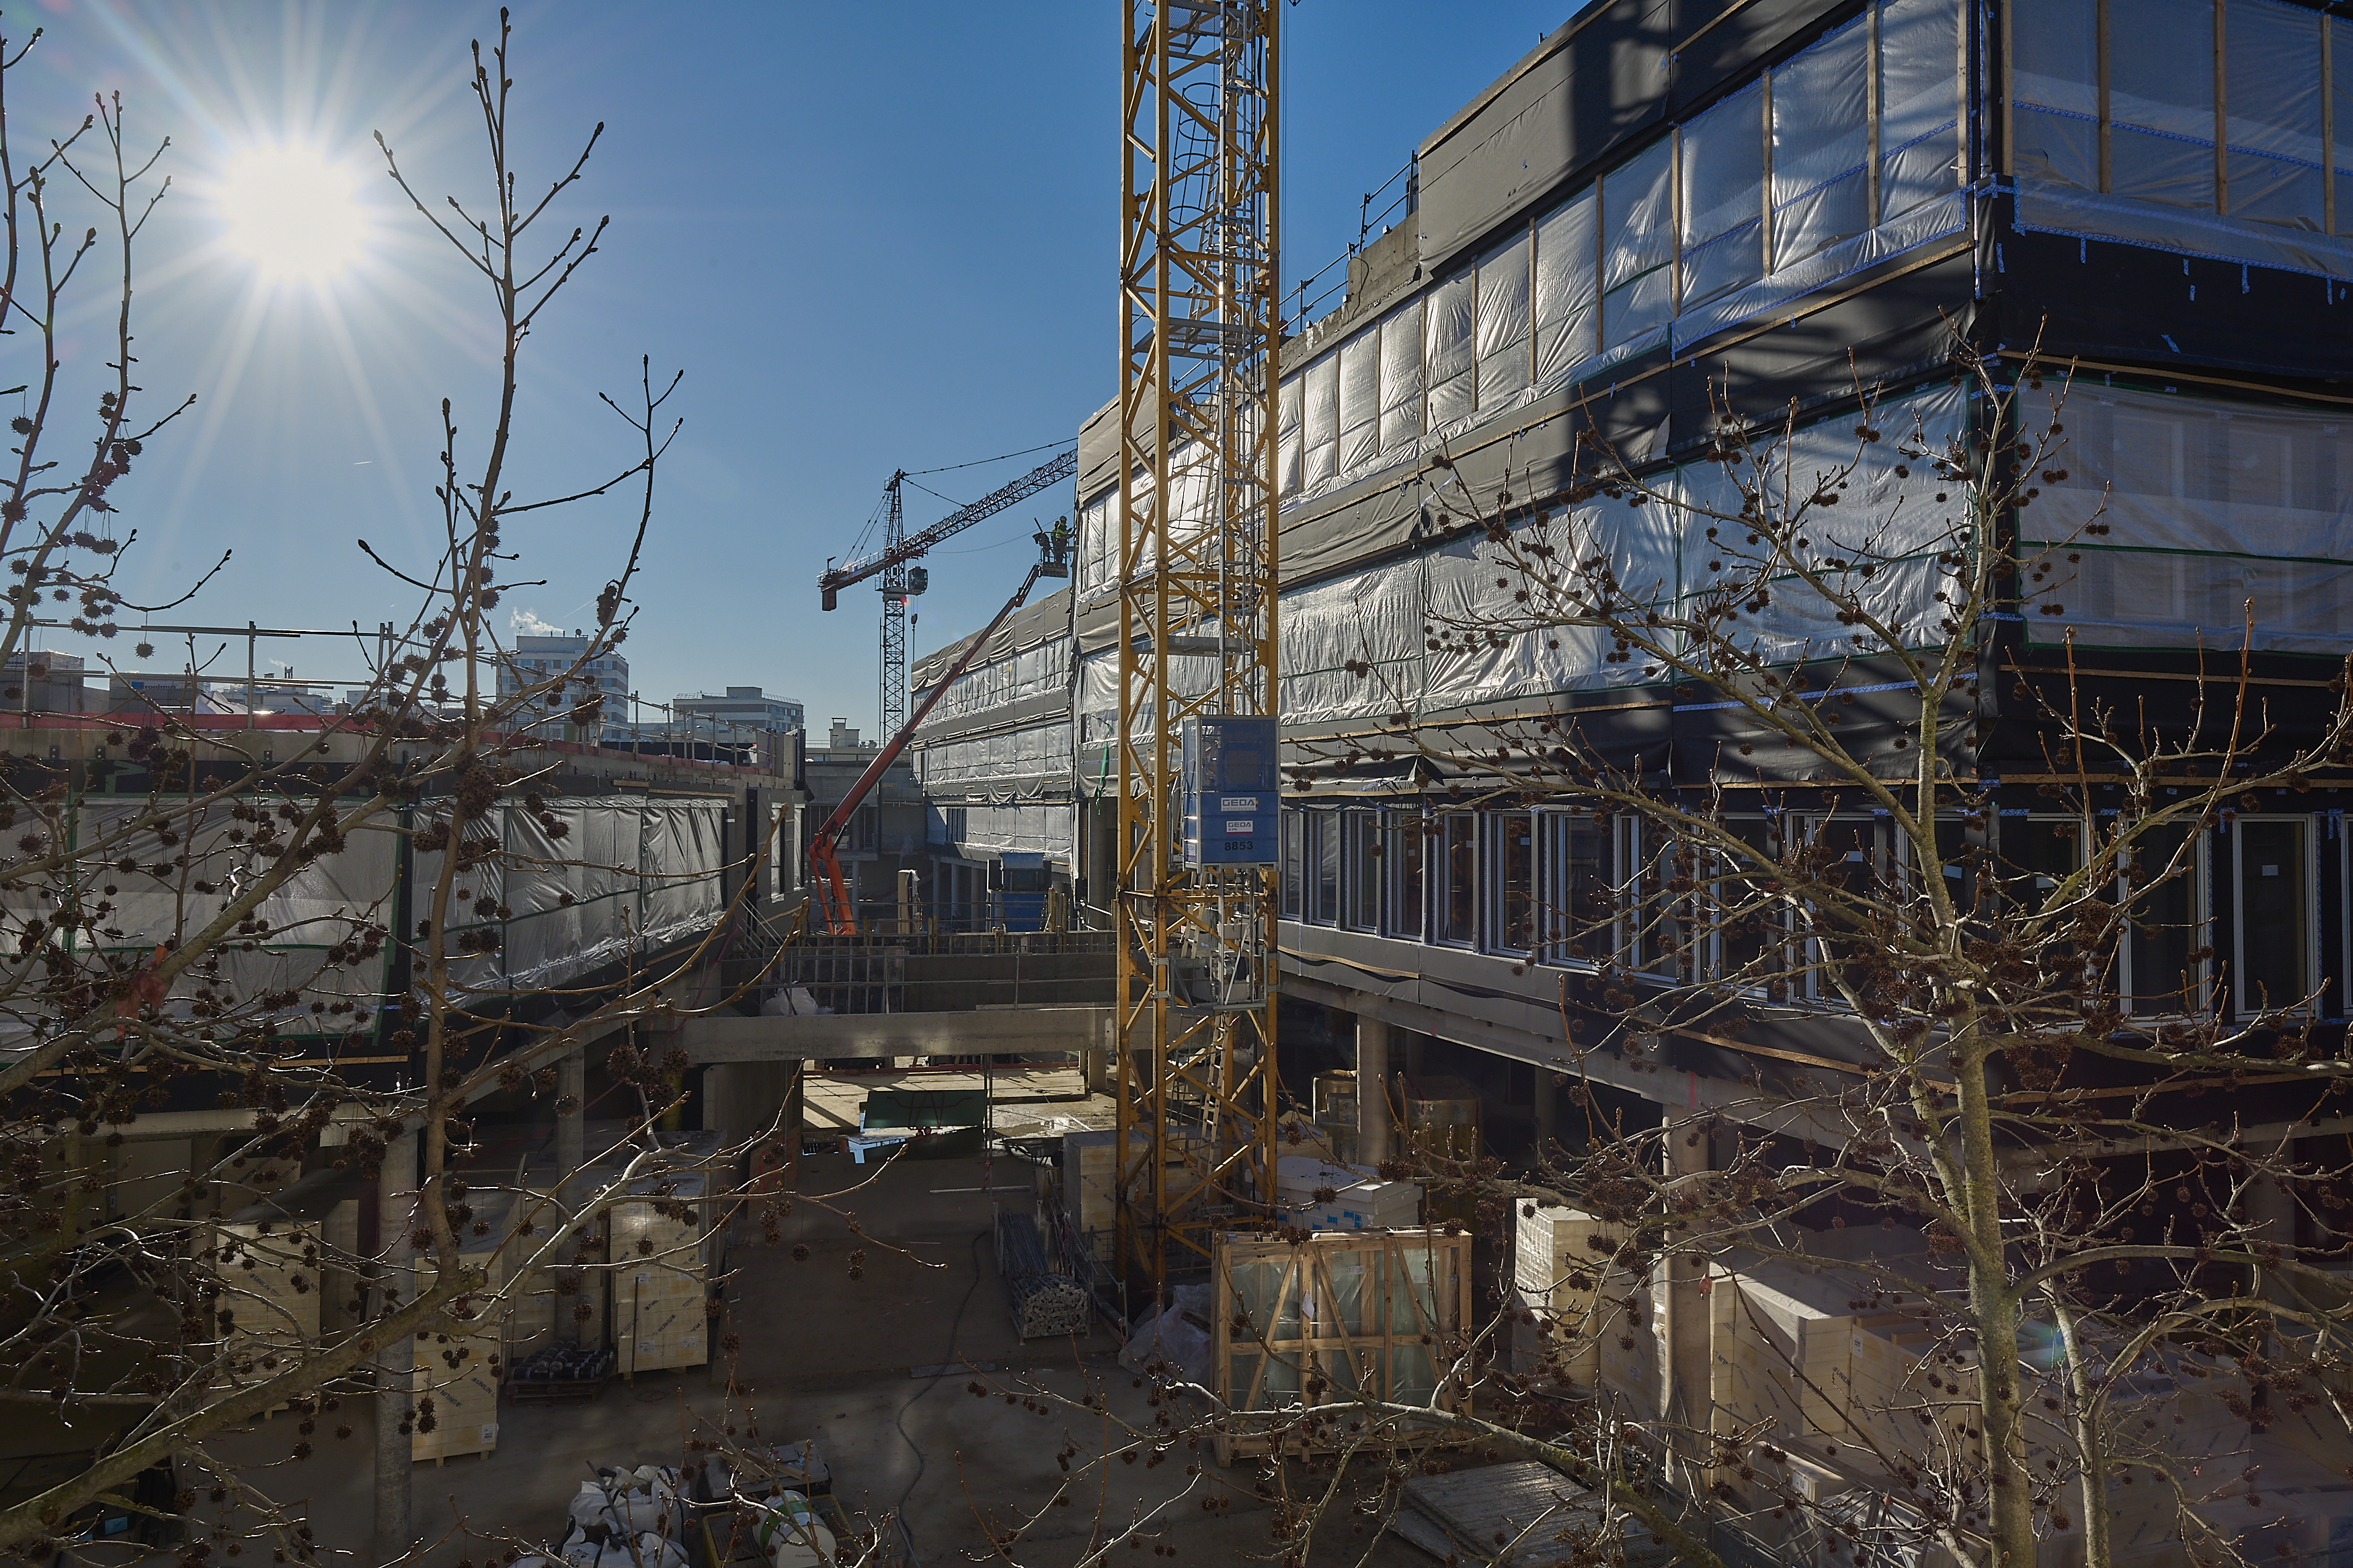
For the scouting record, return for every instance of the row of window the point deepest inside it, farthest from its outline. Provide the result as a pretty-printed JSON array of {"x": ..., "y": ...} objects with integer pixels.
[
  {"x": 2232, "y": 917},
  {"x": 1861, "y": 129},
  {"x": 2242, "y": 107}
]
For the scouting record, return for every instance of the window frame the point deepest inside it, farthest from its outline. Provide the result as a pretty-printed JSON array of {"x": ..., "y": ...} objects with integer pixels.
[
  {"x": 2202, "y": 929},
  {"x": 1360, "y": 868},
  {"x": 1495, "y": 919},
  {"x": 1400, "y": 824},
  {"x": 1441, "y": 883},
  {"x": 2309, "y": 912}
]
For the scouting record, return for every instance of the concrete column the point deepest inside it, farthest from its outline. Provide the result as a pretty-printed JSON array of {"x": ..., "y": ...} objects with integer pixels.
[
  {"x": 395, "y": 1274},
  {"x": 1689, "y": 1352},
  {"x": 571, "y": 1130},
  {"x": 1372, "y": 1091}
]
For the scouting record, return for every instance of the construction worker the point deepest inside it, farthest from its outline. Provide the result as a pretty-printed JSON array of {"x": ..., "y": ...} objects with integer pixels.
[{"x": 1061, "y": 537}]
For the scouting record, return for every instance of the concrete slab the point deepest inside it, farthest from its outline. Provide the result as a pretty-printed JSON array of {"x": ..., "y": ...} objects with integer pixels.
[
  {"x": 830, "y": 1037},
  {"x": 1028, "y": 1100}
]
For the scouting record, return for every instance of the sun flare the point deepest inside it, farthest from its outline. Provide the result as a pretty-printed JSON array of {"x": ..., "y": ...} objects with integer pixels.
[{"x": 294, "y": 215}]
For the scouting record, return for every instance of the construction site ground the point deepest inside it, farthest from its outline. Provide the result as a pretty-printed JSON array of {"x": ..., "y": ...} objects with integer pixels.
[{"x": 874, "y": 1367}]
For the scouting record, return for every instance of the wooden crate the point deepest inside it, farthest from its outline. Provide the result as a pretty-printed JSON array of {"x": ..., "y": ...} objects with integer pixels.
[
  {"x": 460, "y": 1372},
  {"x": 269, "y": 1286},
  {"x": 1090, "y": 1176},
  {"x": 658, "y": 1278},
  {"x": 1353, "y": 1308}
]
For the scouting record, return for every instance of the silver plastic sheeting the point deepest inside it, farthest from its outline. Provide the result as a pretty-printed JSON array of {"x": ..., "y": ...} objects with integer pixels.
[
  {"x": 1037, "y": 671},
  {"x": 1566, "y": 285},
  {"x": 1040, "y": 829},
  {"x": 2271, "y": 114},
  {"x": 1638, "y": 258},
  {"x": 1449, "y": 350},
  {"x": 625, "y": 873},
  {"x": 1289, "y": 434},
  {"x": 679, "y": 856},
  {"x": 1401, "y": 377},
  {"x": 1385, "y": 617},
  {"x": 1503, "y": 358},
  {"x": 1322, "y": 426},
  {"x": 1014, "y": 761},
  {"x": 1722, "y": 182},
  {"x": 2054, "y": 209},
  {"x": 2217, "y": 514},
  {"x": 1360, "y": 398},
  {"x": 1822, "y": 146},
  {"x": 1919, "y": 104},
  {"x": 309, "y": 914}
]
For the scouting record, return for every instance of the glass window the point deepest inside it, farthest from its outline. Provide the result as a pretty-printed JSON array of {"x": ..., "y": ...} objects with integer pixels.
[
  {"x": 1401, "y": 377},
  {"x": 1723, "y": 197},
  {"x": 1846, "y": 852},
  {"x": 1919, "y": 104},
  {"x": 1503, "y": 322},
  {"x": 2164, "y": 894},
  {"x": 1324, "y": 854},
  {"x": 1323, "y": 434},
  {"x": 1360, "y": 870},
  {"x": 1458, "y": 877},
  {"x": 1294, "y": 865},
  {"x": 1821, "y": 144},
  {"x": 1448, "y": 358},
  {"x": 1565, "y": 273},
  {"x": 2271, "y": 109},
  {"x": 1748, "y": 921},
  {"x": 1576, "y": 913},
  {"x": 2273, "y": 857},
  {"x": 1638, "y": 255},
  {"x": 1650, "y": 938},
  {"x": 1402, "y": 858},
  {"x": 1511, "y": 881}
]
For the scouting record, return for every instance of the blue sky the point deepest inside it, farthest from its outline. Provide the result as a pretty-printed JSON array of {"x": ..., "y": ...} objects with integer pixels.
[{"x": 873, "y": 237}]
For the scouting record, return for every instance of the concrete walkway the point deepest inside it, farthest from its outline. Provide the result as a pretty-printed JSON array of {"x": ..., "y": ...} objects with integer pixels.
[{"x": 1026, "y": 1100}]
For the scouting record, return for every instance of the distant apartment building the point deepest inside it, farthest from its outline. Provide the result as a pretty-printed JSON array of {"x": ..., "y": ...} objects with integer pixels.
[{"x": 541, "y": 658}]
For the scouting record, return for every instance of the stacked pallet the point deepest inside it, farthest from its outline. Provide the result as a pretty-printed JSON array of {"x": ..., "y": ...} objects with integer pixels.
[
  {"x": 543, "y": 1305},
  {"x": 454, "y": 1388},
  {"x": 1091, "y": 1175},
  {"x": 268, "y": 1272},
  {"x": 655, "y": 1242}
]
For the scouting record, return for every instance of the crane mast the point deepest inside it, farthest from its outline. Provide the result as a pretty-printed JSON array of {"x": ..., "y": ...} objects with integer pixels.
[{"x": 1197, "y": 525}]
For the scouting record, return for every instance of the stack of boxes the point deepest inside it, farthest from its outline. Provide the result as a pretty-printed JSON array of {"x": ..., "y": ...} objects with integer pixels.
[
  {"x": 1090, "y": 1179},
  {"x": 1360, "y": 1199},
  {"x": 1578, "y": 1296},
  {"x": 655, "y": 1241},
  {"x": 543, "y": 1305}
]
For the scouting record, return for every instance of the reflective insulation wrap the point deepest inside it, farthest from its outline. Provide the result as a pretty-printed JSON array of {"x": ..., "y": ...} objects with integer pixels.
[
  {"x": 2218, "y": 514},
  {"x": 1723, "y": 212},
  {"x": 1387, "y": 616},
  {"x": 1822, "y": 146}
]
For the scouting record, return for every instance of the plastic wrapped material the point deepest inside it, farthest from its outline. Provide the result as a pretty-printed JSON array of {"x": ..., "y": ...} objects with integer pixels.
[
  {"x": 1566, "y": 272},
  {"x": 1503, "y": 363},
  {"x": 1722, "y": 193},
  {"x": 1322, "y": 421},
  {"x": 2054, "y": 56},
  {"x": 1401, "y": 378},
  {"x": 2160, "y": 106},
  {"x": 1016, "y": 760},
  {"x": 1919, "y": 104},
  {"x": 1289, "y": 453},
  {"x": 2053, "y": 209},
  {"x": 2271, "y": 102},
  {"x": 2340, "y": 119},
  {"x": 680, "y": 850},
  {"x": 2215, "y": 512},
  {"x": 1638, "y": 246},
  {"x": 1360, "y": 399},
  {"x": 1822, "y": 144},
  {"x": 1043, "y": 829},
  {"x": 1036, "y": 671},
  {"x": 1448, "y": 360},
  {"x": 1095, "y": 578}
]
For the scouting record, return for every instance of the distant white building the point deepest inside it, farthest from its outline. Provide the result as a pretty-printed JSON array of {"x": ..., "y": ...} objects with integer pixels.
[
  {"x": 541, "y": 658},
  {"x": 743, "y": 707}
]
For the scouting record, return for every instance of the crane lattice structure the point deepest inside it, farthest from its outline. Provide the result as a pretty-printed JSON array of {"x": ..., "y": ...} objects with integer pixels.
[
  {"x": 895, "y": 564},
  {"x": 1200, "y": 339}
]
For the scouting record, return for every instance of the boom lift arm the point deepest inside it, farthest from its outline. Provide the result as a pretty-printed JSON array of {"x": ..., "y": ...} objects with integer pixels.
[
  {"x": 825, "y": 860},
  {"x": 834, "y": 579}
]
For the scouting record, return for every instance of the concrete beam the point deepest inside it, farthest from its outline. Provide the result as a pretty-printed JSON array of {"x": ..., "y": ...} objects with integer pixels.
[{"x": 849, "y": 1035}]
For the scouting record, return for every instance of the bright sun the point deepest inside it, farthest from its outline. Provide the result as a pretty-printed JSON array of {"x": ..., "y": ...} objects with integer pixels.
[{"x": 293, "y": 213}]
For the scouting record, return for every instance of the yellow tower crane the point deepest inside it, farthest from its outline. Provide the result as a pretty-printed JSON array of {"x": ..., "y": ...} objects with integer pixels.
[{"x": 1200, "y": 339}]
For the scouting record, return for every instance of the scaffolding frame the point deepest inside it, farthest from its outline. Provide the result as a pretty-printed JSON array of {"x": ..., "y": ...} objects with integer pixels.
[{"x": 1199, "y": 342}]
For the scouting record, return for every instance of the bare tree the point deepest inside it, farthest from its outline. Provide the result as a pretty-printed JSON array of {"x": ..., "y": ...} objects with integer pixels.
[{"x": 192, "y": 914}]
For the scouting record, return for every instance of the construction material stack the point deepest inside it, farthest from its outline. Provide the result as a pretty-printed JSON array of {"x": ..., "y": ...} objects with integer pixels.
[
  {"x": 656, "y": 1242},
  {"x": 1044, "y": 1302},
  {"x": 454, "y": 1389},
  {"x": 269, "y": 1303},
  {"x": 1315, "y": 1195}
]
